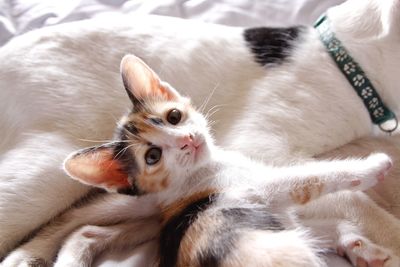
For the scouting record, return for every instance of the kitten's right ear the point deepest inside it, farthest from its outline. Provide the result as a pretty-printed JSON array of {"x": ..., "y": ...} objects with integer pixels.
[
  {"x": 98, "y": 166},
  {"x": 142, "y": 83}
]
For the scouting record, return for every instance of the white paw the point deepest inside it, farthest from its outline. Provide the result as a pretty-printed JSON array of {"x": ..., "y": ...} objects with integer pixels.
[
  {"x": 372, "y": 170},
  {"x": 69, "y": 261},
  {"x": 363, "y": 253},
  {"x": 22, "y": 258}
]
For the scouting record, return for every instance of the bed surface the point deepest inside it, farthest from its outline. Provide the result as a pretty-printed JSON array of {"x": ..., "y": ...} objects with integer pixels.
[{"x": 20, "y": 16}]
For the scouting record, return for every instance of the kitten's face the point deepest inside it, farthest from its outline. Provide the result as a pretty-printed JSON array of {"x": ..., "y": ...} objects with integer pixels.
[
  {"x": 159, "y": 143},
  {"x": 167, "y": 139}
]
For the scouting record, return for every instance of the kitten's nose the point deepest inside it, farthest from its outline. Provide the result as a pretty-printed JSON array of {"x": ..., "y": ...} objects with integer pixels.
[{"x": 185, "y": 142}]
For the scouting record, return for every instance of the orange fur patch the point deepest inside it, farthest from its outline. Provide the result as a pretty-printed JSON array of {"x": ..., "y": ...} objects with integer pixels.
[
  {"x": 303, "y": 193},
  {"x": 167, "y": 212},
  {"x": 197, "y": 239},
  {"x": 154, "y": 181}
]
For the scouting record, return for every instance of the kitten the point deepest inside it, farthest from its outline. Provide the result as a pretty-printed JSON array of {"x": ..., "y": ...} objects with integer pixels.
[
  {"x": 280, "y": 96},
  {"x": 215, "y": 207}
]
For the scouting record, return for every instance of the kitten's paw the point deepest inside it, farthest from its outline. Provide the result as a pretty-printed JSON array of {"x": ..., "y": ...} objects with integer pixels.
[
  {"x": 372, "y": 170},
  {"x": 363, "y": 253},
  {"x": 69, "y": 262},
  {"x": 21, "y": 258}
]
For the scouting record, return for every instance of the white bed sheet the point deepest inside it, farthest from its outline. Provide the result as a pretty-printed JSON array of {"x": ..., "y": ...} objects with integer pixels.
[{"x": 20, "y": 16}]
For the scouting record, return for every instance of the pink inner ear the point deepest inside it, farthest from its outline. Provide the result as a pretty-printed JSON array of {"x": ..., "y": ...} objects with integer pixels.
[
  {"x": 141, "y": 80},
  {"x": 97, "y": 168}
]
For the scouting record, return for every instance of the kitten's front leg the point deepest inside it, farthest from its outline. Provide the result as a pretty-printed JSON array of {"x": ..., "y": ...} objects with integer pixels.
[
  {"x": 303, "y": 183},
  {"x": 87, "y": 242}
]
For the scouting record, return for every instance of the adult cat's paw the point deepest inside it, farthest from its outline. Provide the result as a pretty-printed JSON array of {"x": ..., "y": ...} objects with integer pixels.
[
  {"x": 370, "y": 171},
  {"x": 363, "y": 253},
  {"x": 21, "y": 258}
]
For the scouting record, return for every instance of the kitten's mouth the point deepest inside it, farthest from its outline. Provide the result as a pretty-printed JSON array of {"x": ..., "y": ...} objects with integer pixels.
[
  {"x": 195, "y": 149},
  {"x": 194, "y": 146},
  {"x": 184, "y": 147}
]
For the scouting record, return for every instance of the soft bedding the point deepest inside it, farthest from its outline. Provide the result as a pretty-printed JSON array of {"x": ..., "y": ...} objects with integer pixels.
[{"x": 20, "y": 16}]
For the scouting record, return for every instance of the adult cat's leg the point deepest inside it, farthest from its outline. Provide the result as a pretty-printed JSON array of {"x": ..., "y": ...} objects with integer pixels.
[
  {"x": 358, "y": 209},
  {"x": 33, "y": 186},
  {"x": 347, "y": 239},
  {"x": 303, "y": 183},
  {"x": 105, "y": 210},
  {"x": 87, "y": 242}
]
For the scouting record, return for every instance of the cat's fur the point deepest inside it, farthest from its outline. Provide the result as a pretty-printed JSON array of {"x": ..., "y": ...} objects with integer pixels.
[
  {"x": 358, "y": 208},
  {"x": 55, "y": 85},
  {"x": 217, "y": 207}
]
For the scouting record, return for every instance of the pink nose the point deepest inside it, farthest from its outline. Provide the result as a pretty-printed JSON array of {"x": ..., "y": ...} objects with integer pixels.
[{"x": 185, "y": 142}]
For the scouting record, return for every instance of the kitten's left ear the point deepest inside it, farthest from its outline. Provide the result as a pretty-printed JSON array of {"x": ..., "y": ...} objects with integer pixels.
[
  {"x": 142, "y": 83},
  {"x": 98, "y": 166}
]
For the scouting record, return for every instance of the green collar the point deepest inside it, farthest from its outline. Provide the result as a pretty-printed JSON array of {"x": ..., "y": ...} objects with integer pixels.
[{"x": 379, "y": 113}]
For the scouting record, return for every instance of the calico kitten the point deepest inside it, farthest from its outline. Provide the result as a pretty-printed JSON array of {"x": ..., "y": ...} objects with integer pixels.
[{"x": 207, "y": 206}]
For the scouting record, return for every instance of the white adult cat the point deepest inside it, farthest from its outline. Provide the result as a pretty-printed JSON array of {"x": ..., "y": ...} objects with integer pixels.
[{"x": 56, "y": 82}]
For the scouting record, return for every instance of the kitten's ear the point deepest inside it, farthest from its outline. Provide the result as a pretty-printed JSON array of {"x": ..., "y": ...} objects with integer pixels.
[
  {"x": 97, "y": 166},
  {"x": 142, "y": 83}
]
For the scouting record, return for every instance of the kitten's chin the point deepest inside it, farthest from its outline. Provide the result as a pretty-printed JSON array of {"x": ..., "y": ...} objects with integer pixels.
[{"x": 203, "y": 153}]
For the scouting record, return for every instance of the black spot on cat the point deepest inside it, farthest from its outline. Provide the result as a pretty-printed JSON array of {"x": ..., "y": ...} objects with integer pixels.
[
  {"x": 129, "y": 165},
  {"x": 237, "y": 221},
  {"x": 174, "y": 230},
  {"x": 38, "y": 263},
  {"x": 131, "y": 128},
  {"x": 132, "y": 191},
  {"x": 254, "y": 218},
  {"x": 271, "y": 46},
  {"x": 156, "y": 121}
]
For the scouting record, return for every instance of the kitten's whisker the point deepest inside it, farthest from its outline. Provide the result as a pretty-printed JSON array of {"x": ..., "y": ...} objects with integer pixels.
[
  {"x": 205, "y": 102},
  {"x": 212, "y": 123},
  {"x": 102, "y": 141},
  {"x": 213, "y": 110},
  {"x": 214, "y": 107},
  {"x": 124, "y": 150}
]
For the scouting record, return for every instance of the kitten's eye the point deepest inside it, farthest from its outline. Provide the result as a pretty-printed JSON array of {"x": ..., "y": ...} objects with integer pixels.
[
  {"x": 153, "y": 155},
  {"x": 174, "y": 116}
]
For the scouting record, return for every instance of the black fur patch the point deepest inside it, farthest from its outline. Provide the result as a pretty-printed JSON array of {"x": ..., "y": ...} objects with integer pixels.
[
  {"x": 38, "y": 263},
  {"x": 129, "y": 165},
  {"x": 254, "y": 218},
  {"x": 237, "y": 220},
  {"x": 271, "y": 45},
  {"x": 174, "y": 230},
  {"x": 157, "y": 121},
  {"x": 131, "y": 128}
]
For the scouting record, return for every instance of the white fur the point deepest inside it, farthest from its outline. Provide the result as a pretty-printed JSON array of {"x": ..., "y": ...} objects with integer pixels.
[
  {"x": 58, "y": 82},
  {"x": 247, "y": 183}
]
